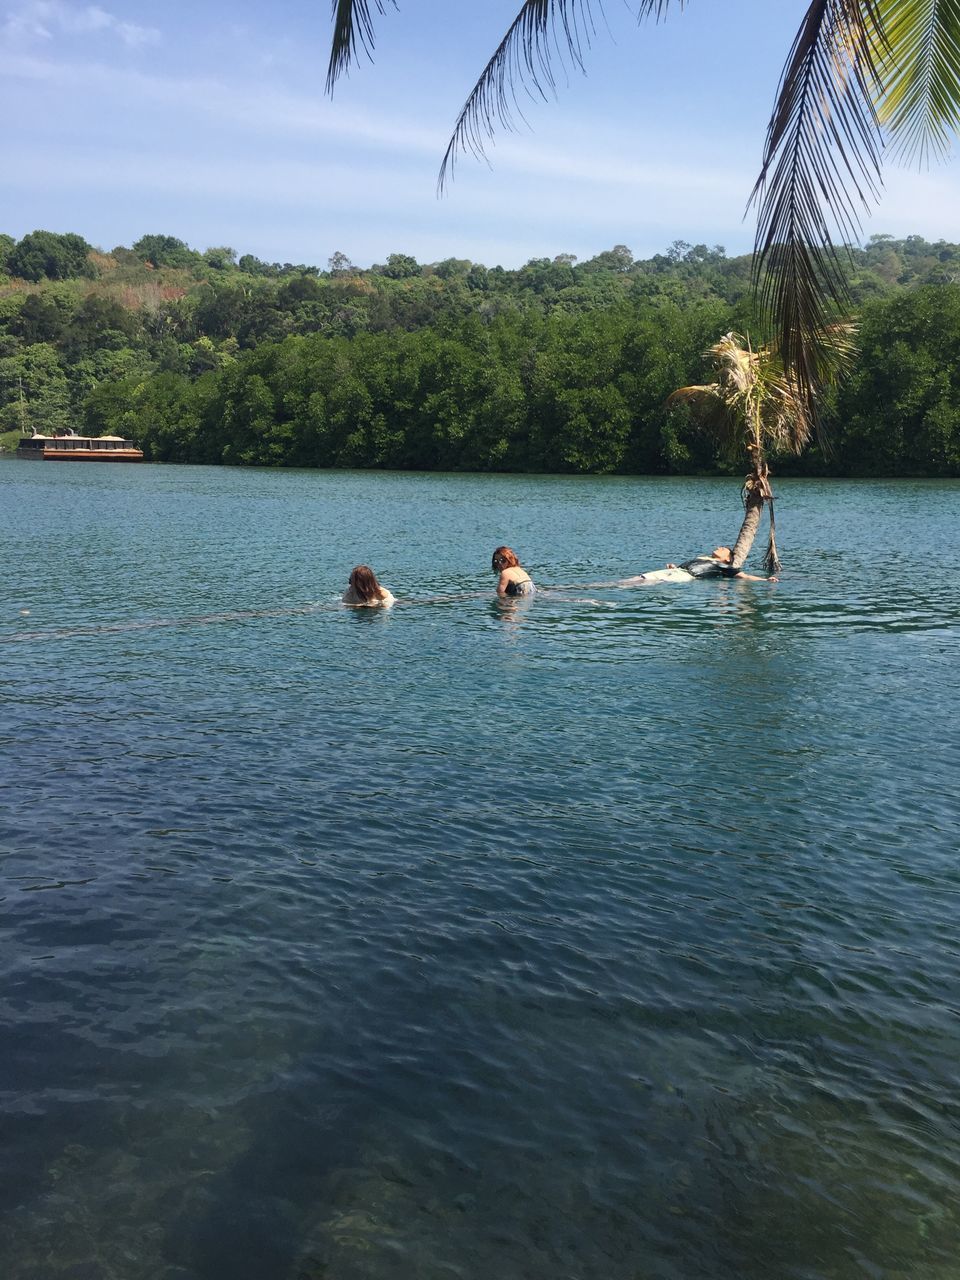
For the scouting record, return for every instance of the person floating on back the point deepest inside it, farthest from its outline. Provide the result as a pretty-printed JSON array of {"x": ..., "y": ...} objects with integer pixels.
[
  {"x": 718, "y": 564},
  {"x": 514, "y": 580},
  {"x": 364, "y": 589}
]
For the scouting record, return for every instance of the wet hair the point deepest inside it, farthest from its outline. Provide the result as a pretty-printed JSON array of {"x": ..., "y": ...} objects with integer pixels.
[
  {"x": 365, "y": 584},
  {"x": 504, "y": 558},
  {"x": 728, "y": 556}
]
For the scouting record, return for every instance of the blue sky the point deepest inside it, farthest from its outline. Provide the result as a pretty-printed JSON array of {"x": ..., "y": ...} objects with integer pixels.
[{"x": 209, "y": 122}]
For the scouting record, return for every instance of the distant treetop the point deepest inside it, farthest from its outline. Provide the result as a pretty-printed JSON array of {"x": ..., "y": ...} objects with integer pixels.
[
  {"x": 165, "y": 251},
  {"x": 47, "y": 255}
]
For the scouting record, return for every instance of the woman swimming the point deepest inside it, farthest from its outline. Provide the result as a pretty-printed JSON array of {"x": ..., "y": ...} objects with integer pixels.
[
  {"x": 514, "y": 580},
  {"x": 364, "y": 589}
]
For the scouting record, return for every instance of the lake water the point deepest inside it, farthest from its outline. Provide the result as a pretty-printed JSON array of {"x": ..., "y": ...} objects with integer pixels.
[{"x": 610, "y": 935}]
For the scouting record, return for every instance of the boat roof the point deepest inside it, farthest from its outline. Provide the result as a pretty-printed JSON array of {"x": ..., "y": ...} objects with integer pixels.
[{"x": 40, "y": 436}]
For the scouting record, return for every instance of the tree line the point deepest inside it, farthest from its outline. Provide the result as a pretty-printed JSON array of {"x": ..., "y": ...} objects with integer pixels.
[{"x": 555, "y": 366}]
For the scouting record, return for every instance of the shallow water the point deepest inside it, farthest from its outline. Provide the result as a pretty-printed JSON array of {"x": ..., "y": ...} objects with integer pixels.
[{"x": 607, "y": 934}]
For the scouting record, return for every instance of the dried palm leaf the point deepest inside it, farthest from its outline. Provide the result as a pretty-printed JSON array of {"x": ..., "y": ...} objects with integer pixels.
[{"x": 754, "y": 404}]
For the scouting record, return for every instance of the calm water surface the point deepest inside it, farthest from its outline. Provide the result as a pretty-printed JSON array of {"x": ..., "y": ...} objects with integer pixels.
[{"x": 611, "y": 935}]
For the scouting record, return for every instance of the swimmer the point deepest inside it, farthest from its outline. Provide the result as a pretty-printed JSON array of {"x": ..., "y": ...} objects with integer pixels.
[
  {"x": 718, "y": 564},
  {"x": 364, "y": 589},
  {"x": 514, "y": 580}
]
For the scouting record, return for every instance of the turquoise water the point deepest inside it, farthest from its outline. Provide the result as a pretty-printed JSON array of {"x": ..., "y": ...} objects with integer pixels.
[{"x": 611, "y": 934}]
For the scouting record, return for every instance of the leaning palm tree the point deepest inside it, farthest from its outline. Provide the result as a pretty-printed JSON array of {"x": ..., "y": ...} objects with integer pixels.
[
  {"x": 860, "y": 74},
  {"x": 753, "y": 407}
]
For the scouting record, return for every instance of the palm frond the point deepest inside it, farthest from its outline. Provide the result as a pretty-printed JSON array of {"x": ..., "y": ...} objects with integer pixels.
[
  {"x": 821, "y": 169},
  {"x": 544, "y": 33},
  {"x": 835, "y": 349},
  {"x": 714, "y": 415},
  {"x": 736, "y": 363},
  {"x": 754, "y": 405},
  {"x": 707, "y": 397},
  {"x": 920, "y": 105},
  {"x": 785, "y": 421},
  {"x": 352, "y": 31}
]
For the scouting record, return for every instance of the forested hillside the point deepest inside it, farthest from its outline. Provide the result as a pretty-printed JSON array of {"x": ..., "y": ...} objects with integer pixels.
[{"x": 557, "y": 366}]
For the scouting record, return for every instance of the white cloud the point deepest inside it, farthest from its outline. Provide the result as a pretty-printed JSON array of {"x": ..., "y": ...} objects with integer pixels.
[
  {"x": 283, "y": 116},
  {"x": 44, "y": 20}
]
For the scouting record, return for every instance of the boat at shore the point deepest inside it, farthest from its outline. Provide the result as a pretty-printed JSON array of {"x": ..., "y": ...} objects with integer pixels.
[{"x": 73, "y": 448}]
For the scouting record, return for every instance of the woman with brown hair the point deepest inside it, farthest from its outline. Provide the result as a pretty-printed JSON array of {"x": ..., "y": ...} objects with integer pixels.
[
  {"x": 514, "y": 580},
  {"x": 364, "y": 589}
]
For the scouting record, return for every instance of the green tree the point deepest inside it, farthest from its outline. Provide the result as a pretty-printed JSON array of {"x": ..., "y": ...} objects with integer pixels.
[
  {"x": 40, "y": 319},
  {"x": 619, "y": 259},
  {"x": 580, "y": 417},
  {"x": 99, "y": 323},
  {"x": 400, "y": 266},
  {"x": 37, "y": 372},
  {"x": 162, "y": 414},
  {"x": 254, "y": 267},
  {"x": 340, "y": 265},
  {"x": 452, "y": 268},
  {"x": 249, "y": 420},
  {"x": 899, "y": 412},
  {"x": 102, "y": 366},
  {"x": 220, "y": 258},
  {"x": 47, "y": 255},
  {"x": 165, "y": 251}
]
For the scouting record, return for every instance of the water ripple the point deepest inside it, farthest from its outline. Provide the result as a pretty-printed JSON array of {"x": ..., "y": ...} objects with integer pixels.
[{"x": 608, "y": 935}]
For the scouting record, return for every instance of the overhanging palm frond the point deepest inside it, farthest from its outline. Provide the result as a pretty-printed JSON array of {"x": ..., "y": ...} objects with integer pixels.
[
  {"x": 787, "y": 425},
  {"x": 543, "y": 33},
  {"x": 352, "y": 30},
  {"x": 821, "y": 169},
  {"x": 834, "y": 351},
  {"x": 920, "y": 104}
]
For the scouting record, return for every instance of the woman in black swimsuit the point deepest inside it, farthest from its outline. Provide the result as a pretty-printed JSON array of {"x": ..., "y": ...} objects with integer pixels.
[
  {"x": 718, "y": 564},
  {"x": 514, "y": 580}
]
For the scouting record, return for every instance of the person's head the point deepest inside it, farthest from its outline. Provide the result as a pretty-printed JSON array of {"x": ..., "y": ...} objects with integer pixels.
[
  {"x": 364, "y": 583},
  {"x": 504, "y": 558},
  {"x": 723, "y": 553}
]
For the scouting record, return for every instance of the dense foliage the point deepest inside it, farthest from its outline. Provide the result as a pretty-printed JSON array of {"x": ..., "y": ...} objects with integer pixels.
[{"x": 556, "y": 366}]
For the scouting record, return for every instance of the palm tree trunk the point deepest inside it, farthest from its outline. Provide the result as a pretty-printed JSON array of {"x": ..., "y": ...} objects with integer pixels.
[{"x": 751, "y": 523}]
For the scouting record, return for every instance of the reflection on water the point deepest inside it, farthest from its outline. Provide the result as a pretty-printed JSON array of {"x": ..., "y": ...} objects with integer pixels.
[{"x": 606, "y": 933}]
